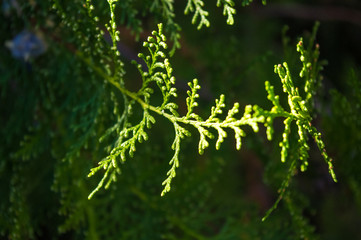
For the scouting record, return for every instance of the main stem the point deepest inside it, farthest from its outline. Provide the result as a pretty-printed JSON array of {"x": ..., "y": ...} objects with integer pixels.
[{"x": 170, "y": 117}]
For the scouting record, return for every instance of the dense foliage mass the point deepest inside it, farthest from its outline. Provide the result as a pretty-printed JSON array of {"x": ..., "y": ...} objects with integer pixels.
[{"x": 112, "y": 126}]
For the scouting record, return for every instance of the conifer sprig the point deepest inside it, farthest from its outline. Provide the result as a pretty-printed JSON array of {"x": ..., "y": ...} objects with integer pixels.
[
  {"x": 180, "y": 133},
  {"x": 196, "y": 6},
  {"x": 171, "y": 26},
  {"x": 228, "y": 10},
  {"x": 115, "y": 36},
  {"x": 311, "y": 66},
  {"x": 160, "y": 73}
]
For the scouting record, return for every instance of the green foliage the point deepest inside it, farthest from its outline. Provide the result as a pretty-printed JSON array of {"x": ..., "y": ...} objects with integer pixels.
[
  {"x": 77, "y": 103},
  {"x": 197, "y": 6},
  {"x": 160, "y": 72}
]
